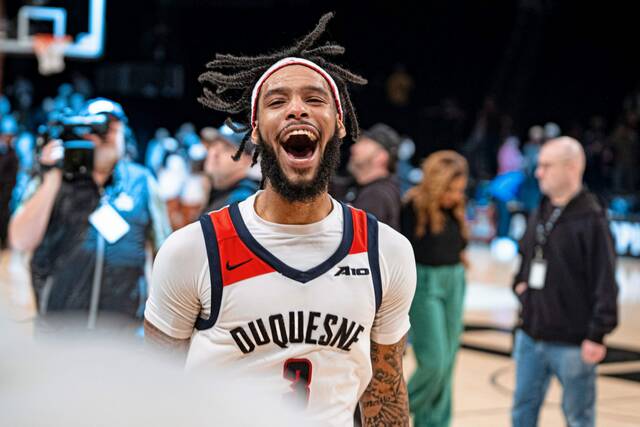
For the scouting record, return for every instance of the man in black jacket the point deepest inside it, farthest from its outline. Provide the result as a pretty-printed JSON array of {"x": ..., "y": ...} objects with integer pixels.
[
  {"x": 567, "y": 288},
  {"x": 373, "y": 162}
]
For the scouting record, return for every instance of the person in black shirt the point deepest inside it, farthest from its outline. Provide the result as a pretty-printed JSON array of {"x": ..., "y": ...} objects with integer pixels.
[
  {"x": 88, "y": 234},
  {"x": 373, "y": 165},
  {"x": 433, "y": 220},
  {"x": 567, "y": 287},
  {"x": 230, "y": 182}
]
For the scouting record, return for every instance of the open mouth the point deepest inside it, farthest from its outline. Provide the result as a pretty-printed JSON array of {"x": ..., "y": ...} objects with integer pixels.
[{"x": 300, "y": 143}]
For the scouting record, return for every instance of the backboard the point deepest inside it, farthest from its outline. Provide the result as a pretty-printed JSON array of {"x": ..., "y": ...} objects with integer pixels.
[{"x": 85, "y": 45}]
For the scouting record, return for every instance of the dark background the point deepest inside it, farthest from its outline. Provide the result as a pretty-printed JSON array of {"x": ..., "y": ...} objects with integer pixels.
[{"x": 542, "y": 60}]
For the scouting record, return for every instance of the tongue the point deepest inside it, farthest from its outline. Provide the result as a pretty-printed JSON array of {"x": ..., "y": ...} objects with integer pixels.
[{"x": 300, "y": 152}]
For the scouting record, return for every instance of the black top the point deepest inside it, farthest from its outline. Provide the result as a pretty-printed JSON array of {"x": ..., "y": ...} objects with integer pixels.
[
  {"x": 435, "y": 250},
  {"x": 381, "y": 198},
  {"x": 235, "y": 193},
  {"x": 578, "y": 299}
]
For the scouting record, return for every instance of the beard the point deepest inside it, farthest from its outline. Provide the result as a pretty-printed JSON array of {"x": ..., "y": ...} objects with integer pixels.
[{"x": 300, "y": 191}]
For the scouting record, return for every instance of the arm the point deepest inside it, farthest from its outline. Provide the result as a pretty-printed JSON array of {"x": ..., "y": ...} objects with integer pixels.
[
  {"x": 385, "y": 402},
  {"x": 165, "y": 343},
  {"x": 29, "y": 224},
  {"x": 601, "y": 277},
  {"x": 177, "y": 292},
  {"x": 525, "y": 250}
]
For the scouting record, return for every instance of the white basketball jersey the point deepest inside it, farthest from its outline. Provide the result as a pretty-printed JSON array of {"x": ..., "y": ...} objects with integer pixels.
[{"x": 306, "y": 333}]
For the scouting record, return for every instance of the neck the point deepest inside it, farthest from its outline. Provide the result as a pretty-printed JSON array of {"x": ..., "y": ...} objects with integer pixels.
[
  {"x": 564, "y": 198},
  {"x": 272, "y": 207},
  {"x": 100, "y": 177},
  {"x": 370, "y": 175}
]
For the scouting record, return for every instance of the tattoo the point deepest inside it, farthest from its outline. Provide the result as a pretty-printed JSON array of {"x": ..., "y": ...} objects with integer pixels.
[
  {"x": 161, "y": 341},
  {"x": 385, "y": 402}
]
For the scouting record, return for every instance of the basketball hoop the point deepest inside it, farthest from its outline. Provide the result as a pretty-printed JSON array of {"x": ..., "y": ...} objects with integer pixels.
[{"x": 49, "y": 50}]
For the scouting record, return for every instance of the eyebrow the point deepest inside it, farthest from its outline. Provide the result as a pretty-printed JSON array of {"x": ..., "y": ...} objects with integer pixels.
[{"x": 286, "y": 90}]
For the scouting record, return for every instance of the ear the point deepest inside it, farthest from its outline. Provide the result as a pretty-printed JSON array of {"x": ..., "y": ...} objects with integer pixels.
[
  {"x": 383, "y": 157},
  {"x": 255, "y": 135},
  {"x": 342, "y": 132}
]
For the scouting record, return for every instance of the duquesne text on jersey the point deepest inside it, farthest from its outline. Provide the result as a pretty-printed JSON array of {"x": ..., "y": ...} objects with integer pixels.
[{"x": 298, "y": 327}]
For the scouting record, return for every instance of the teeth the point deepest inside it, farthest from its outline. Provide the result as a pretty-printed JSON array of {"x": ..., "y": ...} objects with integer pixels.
[{"x": 310, "y": 135}]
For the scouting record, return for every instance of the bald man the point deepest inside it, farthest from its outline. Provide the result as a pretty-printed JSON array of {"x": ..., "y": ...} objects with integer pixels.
[{"x": 566, "y": 285}]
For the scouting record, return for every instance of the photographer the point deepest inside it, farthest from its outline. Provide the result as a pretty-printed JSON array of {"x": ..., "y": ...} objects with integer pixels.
[{"x": 87, "y": 220}]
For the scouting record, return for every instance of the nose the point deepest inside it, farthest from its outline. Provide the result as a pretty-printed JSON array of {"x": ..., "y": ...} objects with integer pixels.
[{"x": 297, "y": 109}]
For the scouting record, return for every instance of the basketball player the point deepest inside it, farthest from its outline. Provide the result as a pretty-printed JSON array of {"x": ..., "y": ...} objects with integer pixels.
[{"x": 290, "y": 285}]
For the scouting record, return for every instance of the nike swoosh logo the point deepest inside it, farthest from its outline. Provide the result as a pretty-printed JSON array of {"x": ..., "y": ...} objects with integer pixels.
[{"x": 233, "y": 267}]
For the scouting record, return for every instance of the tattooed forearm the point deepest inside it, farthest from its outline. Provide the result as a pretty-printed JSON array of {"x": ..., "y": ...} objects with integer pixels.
[
  {"x": 158, "y": 339},
  {"x": 385, "y": 401}
]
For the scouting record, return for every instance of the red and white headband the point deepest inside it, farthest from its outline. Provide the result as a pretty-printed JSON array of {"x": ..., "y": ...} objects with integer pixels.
[{"x": 285, "y": 63}]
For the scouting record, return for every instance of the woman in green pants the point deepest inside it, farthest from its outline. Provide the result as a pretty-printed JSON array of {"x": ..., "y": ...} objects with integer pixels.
[{"x": 433, "y": 219}]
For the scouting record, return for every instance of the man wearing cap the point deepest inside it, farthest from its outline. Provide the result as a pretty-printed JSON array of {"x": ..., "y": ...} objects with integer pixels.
[
  {"x": 289, "y": 287},
  {"x": 373, "y": 164},
  {"x": 88, "y": 232},
  {"x": 228, "y": 177}
]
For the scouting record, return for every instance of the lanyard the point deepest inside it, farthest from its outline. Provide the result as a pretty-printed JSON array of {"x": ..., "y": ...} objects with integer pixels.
[{"x": 543, "y": 230}]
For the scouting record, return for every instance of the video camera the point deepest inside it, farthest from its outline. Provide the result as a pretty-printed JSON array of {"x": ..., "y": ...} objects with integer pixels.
[{"x": 77, "y": 163}]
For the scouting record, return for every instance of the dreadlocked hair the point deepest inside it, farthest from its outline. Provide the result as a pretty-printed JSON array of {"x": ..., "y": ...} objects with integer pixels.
[{"x": 231, "y": 80}]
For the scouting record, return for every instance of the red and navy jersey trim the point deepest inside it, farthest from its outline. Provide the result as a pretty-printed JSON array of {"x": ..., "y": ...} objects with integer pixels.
[
  {"x": 213, "y": 257},
  {"x": 374, "y": 257},
  {"x": 284, "y": 269},
  {"x": 234, "y": 254}
]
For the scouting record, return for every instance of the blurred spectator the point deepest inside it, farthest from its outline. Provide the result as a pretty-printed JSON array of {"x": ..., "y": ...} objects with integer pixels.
[
  {"x": 509, "y": 156},
  {"x": 567, "y": 287},
  {"x": 172, "y": 177},
  {"x": 485, "y": 140},
  {"x": 530, "y": 192},
  {"x": 551, "y": 130},
  {"x": 197, "y": 187},
  {"x": 399, "y": 86},
  {"x": 373, "y": 164},
  {"x": 25, "y": 146},
  {"x": 595, "y": 141},
  {"x": 8, "y": 172},
  {"x": 229, "y": 180},
  {"x": 156, "y": 151},
  {"x": 626, "y": 149},
  {"x": 88, "y": 232},
  {"x": 434, "y": 221}
]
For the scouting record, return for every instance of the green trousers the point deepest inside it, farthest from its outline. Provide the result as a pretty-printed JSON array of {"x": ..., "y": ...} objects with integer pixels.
[{"x": 436, "y": 325}]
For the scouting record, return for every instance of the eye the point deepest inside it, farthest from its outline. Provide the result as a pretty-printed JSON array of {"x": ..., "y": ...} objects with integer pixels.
[
  {"x": 275, "y": 102},
  {"x": 316, "y": 100}
]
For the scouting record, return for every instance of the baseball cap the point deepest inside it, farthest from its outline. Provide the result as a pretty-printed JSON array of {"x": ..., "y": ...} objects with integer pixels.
[
  {"x": 105, "y": 106},
  {"x": 228, "y": 134},
  {"x": 385, "y": 136}
]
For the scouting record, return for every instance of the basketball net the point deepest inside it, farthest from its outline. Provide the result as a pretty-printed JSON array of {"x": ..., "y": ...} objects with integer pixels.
[{"x": 50, "y": 52}]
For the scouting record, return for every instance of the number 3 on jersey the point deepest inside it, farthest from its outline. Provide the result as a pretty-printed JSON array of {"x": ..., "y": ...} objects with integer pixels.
[{"x": 299, "y": 372}]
